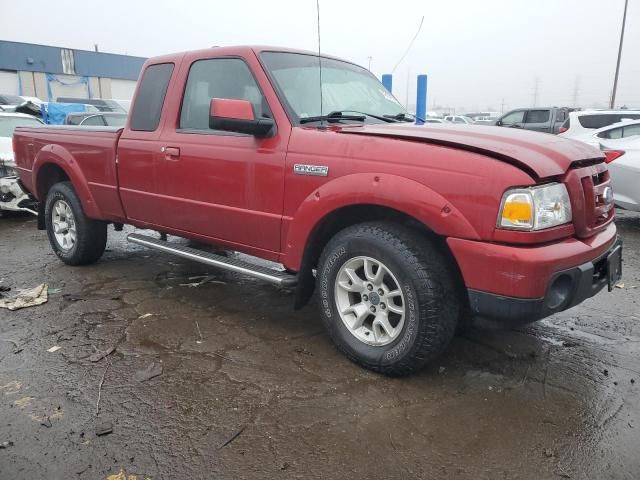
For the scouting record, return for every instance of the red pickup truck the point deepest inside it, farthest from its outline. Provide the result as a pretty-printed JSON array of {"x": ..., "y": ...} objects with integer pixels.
[{"x": 402, "y": 230}]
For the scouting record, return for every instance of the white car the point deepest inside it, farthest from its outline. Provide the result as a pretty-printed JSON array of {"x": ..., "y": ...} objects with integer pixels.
[
  {"x": 623, "y": 158},
  {"x": 12, "y": 197},
  {"x": 459, "y": 119},
  {"x": 585, "y": 122},
  {"x": 624, "y": 129}
]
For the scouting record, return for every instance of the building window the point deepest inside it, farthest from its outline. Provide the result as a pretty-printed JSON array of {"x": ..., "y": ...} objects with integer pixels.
[{"x": 68, "y": 62}]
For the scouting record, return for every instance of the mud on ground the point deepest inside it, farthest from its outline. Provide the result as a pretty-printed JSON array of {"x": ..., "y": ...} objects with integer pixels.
[{"x": 247, "y": 388}]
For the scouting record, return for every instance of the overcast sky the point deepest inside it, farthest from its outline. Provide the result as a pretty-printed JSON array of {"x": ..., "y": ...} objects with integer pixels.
[{"x": 478, "y": 54}]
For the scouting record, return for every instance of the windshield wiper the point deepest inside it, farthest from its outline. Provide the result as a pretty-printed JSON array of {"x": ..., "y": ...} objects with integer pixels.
[
  {"x": 334, "y": 116},
  {"x": 404, "y": 117}
]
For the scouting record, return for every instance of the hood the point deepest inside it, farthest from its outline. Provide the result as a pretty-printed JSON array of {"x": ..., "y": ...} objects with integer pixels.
[{"x": 539, "y": 154}]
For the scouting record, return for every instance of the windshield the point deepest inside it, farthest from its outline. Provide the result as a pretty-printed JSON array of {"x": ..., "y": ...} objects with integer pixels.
[
  {"x": 9, "y": 124},
  {"x": 345, "y": 87}
]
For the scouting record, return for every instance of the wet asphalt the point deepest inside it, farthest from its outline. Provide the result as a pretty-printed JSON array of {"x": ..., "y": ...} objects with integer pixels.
[{"x": 243, "y": 387}]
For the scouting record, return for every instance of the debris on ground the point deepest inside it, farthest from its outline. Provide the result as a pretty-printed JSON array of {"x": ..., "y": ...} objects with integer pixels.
[
  {"x": 153, "y": 370},
  {"x": 303, "y": 351},
  {"x": 548, "y": 453},
  {"x": 100, "y": 354},
  {"x": 146, "y": 315},
  {"x": 46, "y": 422},
  {"x": 441, "y": 370},
  {"x": 104, "y": 428},
  {"x": 6, "y": 445},
  {"x": 26, "y": 298},
  {"x": 233, "y": 437},
  {"x": 54, "y": 349},
  {"x": 620, "y": 285}
]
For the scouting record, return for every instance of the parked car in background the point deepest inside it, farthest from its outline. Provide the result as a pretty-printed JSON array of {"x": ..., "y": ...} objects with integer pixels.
[
  {"x": 124, "y": 104},
  {"x": 584, "y": 122},
  {"x": 623, "y": 157},
  {"x": 624, "y": 129},
  {"x": 102, "y": 119},
  {"x": 434, "y": 120},
  {"x": 459, "y": 119},
  {"x": 548, "y": 120},
  {"x": 9, "y": 102},
  {"x": 99, "y": 103},
  {"x": 12, "y": 196},
  {"x": 485, "y": 120}
]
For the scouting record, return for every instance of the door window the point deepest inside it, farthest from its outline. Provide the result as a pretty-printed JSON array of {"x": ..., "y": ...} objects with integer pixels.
[
  {"x": 538, "y": 116},
  {"x": 631, "y": 130},
  {"x": 218, "y": 78},
  {"x": 145, "y": 114},
  {"x": 513, "y": 117},
  {"x": 611, "y": 133}
]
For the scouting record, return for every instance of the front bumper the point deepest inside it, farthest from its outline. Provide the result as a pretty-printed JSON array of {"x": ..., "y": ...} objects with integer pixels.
[
  {"x": 566, "y": 289},
  {"x": 527, "y": 283}
]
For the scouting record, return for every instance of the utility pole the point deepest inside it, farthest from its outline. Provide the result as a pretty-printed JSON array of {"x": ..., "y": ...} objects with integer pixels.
[
  {"x": 536, "y": 86},
  {"x": 502, "y": 106},
  {"x": 576, "y": 89},
  {"x": 615, "y": 79},
  {"x": 369, "y": 58}
]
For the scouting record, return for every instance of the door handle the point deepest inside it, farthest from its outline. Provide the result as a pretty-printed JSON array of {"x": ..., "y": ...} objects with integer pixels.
[{"x": 171, "y": 153}]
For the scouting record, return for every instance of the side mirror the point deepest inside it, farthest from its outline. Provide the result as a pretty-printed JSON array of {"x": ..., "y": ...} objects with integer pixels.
[
  {"x": 499, "y": 123},
  {"x": 237, "y": 116}
]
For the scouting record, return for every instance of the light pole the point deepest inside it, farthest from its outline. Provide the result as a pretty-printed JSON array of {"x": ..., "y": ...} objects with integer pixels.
[{"x": 615, "y": 79}]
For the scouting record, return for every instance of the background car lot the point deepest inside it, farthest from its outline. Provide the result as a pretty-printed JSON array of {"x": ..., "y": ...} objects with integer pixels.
[{"x": 552, "y": 400}]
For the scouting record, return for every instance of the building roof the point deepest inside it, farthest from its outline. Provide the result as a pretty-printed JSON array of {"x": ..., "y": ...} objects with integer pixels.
[{"x": 32, "y": 57}]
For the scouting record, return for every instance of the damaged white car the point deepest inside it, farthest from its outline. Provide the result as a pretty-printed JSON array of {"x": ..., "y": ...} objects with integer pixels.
[{"x": 12, "y": 196}]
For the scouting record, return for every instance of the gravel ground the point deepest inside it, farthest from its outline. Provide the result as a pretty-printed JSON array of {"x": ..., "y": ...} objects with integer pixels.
[{"x": 246, "y": 388}]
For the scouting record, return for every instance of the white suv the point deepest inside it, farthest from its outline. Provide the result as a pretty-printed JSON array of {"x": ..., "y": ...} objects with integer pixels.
[{"x": 583, "y": 122}]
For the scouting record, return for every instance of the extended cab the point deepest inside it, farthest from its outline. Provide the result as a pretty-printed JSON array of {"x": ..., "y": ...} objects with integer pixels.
[{"x": 403, "y": 231}]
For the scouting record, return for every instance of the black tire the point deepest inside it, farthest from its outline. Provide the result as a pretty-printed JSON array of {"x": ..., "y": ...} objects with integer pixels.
[
  {"x": 423, "y": 276},
  {"x": 91, "y": 235}
]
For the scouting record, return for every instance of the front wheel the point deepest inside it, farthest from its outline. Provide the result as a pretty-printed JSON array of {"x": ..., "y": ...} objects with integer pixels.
[
  {"x": 387, "y": 297},
  {"x": 75, "y": 238}
]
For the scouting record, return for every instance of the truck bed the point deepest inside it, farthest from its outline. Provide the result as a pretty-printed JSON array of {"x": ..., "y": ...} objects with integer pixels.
[{"x": 84, "y": 153}]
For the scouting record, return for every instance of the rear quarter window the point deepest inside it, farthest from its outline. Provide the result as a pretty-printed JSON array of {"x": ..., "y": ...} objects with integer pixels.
[
  {"x": 145, "y": 114},
  {"x": 604, "y": 120}
]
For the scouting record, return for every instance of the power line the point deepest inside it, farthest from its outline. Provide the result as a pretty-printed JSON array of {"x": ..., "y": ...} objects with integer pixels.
[{"x": 410, "y": 45}]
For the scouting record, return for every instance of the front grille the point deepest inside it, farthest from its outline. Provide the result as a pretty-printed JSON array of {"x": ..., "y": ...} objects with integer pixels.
[{"x": 591, "y": 185}]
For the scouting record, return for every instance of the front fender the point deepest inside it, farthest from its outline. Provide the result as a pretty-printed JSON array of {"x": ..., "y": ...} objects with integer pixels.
[
  {"x": 61, "y": 157},
  {"x": 392, "y": 191}
]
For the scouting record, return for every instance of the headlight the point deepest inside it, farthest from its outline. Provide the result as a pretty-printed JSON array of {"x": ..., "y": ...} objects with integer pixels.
[{"x": 535, "y": 208}]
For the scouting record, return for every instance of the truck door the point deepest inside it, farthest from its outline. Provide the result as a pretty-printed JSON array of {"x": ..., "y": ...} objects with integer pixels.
[
  {"x": 139, "y": 147},
  {"x": 538, "y": 120},
  {"x": 227, "y": 186}
]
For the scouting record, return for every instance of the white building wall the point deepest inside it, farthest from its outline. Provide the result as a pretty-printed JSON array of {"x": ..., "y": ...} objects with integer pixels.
[
  {"x": 122, "y": 89},
  {"x": 8, "y": 82}
]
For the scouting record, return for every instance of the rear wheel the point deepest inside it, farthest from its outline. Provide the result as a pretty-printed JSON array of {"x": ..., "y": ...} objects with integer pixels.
[
  {"x": 75, "y": 238},
  {"x": 387, "y": 297}
]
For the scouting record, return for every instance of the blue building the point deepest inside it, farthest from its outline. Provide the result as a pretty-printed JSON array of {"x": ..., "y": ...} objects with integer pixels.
[{"x": 51, "y": 72}]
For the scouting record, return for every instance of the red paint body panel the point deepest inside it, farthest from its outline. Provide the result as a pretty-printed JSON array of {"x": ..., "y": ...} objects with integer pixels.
[
  {"x": 524, "y": 272},
  {"x": 229, "y": 108},
  {"x": 241, "y": 192}
]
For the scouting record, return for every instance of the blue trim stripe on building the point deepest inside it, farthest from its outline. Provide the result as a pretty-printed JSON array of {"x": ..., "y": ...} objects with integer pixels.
[{"x": 31, "y": 57}]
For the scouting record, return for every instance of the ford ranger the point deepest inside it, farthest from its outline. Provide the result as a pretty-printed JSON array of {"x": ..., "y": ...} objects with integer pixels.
[{"x": 402, "y": 231}]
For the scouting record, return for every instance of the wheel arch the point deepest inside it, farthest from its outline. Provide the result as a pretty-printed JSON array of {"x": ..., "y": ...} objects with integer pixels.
[
  {"x": 54, "y": 164},
  {"x": 349, "y": 215}
]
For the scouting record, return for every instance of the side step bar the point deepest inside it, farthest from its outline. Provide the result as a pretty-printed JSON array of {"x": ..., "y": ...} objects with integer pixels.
[{"x": 278, "y": 277}]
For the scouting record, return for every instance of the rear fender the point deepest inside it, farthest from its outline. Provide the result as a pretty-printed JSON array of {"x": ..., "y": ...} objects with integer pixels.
[
  {"x": 57, "y": 155},
  {"x": 399, "y": 193}
]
